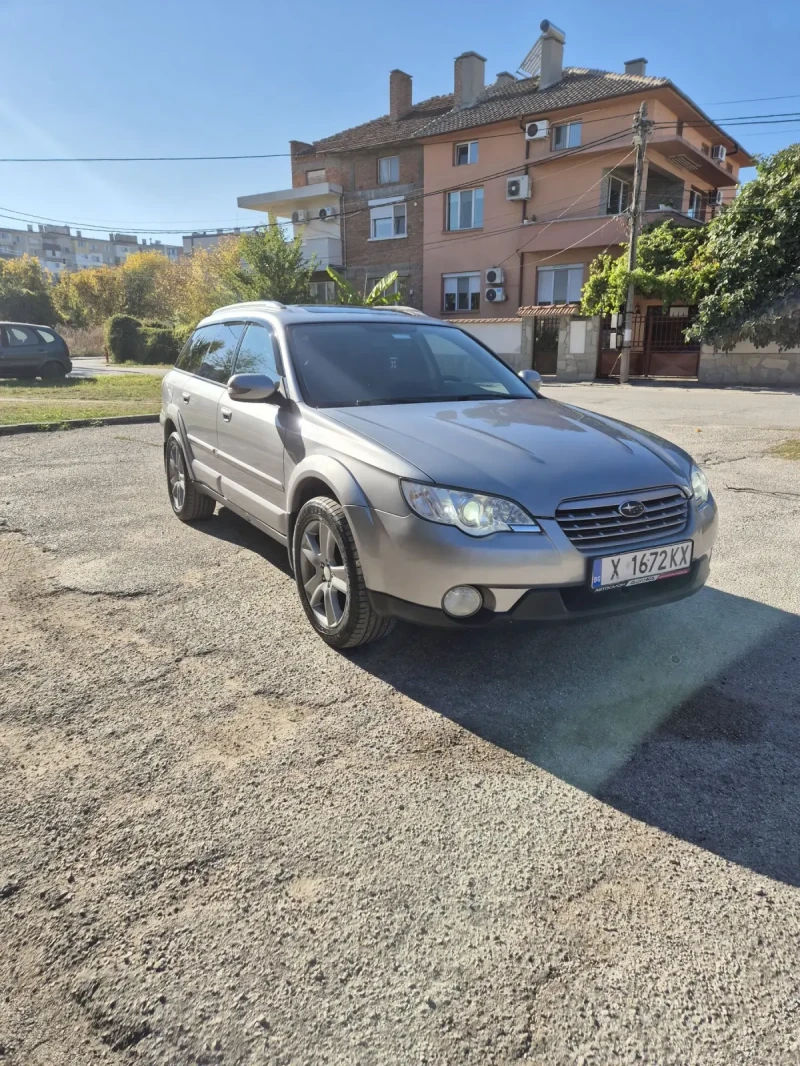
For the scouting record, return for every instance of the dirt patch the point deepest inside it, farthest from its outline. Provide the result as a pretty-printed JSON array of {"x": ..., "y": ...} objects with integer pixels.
[{"x": 787, "y": 449}]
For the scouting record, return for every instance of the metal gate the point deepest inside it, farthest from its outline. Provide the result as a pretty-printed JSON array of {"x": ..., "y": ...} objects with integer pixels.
[
  {"x": 659, "y": 346},
  {"x": 545, "y": 344}
]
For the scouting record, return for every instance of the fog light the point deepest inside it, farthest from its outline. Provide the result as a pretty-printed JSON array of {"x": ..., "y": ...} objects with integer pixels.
[{"x": 462, "y": 601}]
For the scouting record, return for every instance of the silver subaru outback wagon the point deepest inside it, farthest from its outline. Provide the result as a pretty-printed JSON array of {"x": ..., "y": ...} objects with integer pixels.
[{"x": 412, "y": 474}]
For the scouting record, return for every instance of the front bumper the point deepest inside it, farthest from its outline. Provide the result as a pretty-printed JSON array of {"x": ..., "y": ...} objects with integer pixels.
[
  {"x": 409, "y": 564},
  {"x": 548, "y": 606}
]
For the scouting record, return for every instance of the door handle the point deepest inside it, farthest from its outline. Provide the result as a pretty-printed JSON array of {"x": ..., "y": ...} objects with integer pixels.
[
  {"x": 226, "y": 414},
  {"x": 186, "y": 397}
]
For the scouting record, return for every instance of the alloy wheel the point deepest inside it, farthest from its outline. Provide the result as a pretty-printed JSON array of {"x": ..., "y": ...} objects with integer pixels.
[
  {"x": 176, "y": 475},
  {"x": 323, "y": 574}
]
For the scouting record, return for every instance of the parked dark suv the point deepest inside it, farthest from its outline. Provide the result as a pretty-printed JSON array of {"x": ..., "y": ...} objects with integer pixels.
[{"x": 28, "y": 351}]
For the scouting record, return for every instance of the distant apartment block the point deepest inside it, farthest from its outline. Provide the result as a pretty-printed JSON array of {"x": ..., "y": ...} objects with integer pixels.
[
  {"x": 57, "y": 248},
  {"x": 206, "y": 239}
]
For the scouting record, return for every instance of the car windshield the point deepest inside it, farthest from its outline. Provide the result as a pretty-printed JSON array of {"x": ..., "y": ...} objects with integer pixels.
[{"x": 353, "y": 364}]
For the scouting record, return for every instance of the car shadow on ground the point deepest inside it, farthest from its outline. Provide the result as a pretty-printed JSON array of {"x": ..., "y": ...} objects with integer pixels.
[
  {"x": 228, "y": 526},
  {"x": 686, "y": 717}
]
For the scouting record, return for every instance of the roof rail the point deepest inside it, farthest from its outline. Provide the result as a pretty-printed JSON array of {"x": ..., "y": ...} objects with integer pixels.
[
  {"x": 403, "y": 310},
  {"x": 274, "y": 305}
]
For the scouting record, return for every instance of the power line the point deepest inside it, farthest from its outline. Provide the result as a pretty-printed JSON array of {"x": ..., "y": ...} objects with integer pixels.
[
  {"x": 23, "y": 216},
  {"x": 752, "y": 100},
  {"x": 552, "y": 222},
  {"x": 480, "y": 234},
  {"x": 145, "y": 158}
]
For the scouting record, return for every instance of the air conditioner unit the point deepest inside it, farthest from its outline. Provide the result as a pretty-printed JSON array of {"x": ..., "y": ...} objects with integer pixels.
[
  {"x": 327, "y": 213},
  {"x": 719, "y": 153},
  {"x": 518, "y": 188},
  {"x": 496, "y": 295},
  {"x": 537, "y": 131},
  {"x": 495, "y": 276},
  {"x": 299, "y": 216},
  {"x": 716, "y": 197}
]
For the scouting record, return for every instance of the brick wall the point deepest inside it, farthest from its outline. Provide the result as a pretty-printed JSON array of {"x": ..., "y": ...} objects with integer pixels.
[{"x": 357, "y": 173}]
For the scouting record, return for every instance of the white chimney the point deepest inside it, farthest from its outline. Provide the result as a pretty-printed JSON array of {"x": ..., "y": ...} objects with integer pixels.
[
  {"x": 469, "y": 79},
  {"x": 504, "y": 78},
  {"x": 636, "y": 66},
  {"x": 552, "y": 54}
]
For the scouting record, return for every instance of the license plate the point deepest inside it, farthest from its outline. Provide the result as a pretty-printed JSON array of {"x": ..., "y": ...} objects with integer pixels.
[{"x": 637, "y": 568}]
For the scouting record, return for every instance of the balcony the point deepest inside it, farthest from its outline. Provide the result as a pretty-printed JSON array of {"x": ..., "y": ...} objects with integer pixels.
[
  {"x": 322, "y": 237},
  {"x": 689, "y": 157},
  {"x": 284, "y": 202}
]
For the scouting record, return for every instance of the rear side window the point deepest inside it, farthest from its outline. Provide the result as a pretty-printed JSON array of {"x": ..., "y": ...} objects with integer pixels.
[
  {"x": 259, "y": 353},
  {"x": 47, "y": 336},
  {"x": 210, "y": 351},
  {"x": 19, "y": 335}
]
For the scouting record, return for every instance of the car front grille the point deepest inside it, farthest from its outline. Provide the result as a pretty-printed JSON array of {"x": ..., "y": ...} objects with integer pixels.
[{"x": 596, "y": 523}]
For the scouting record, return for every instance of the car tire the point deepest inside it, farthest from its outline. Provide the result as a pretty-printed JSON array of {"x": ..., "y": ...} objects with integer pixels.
[
  {"x": 344, "y": 618},
  {"x": 188, "y": 502},
  {"x": 53, "y": 371}
]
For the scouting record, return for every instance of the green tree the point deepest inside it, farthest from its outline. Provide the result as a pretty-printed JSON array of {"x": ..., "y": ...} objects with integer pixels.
[
  {"x": 670, "y": 266},
  {"x": 378, "y": 296},
  {"x": 206, "y": 279},
  {"x": 89, "y": 297},
  {"x": 26, "y": 292},
  {"x": 742, "y": 269},
  {"x": 148, "y": 286},
  {"x": 753, "y": 249},
  {"x": 273, "y": 267}
]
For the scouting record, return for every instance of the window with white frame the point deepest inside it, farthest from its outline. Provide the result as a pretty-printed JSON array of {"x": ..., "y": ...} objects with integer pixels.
[
  {"x": 462, "y": 292},
  {"x": 560, "y": 285},
  {"x": 387, "y": 219},
  {"x": 567, "y": 135},
  {"x": 466, "y": 153},
  {"x": 388, "y": 169},
  {"x": 695, "y": 204},
  {"x": 465, "y": 209},
  {"x": 323, "y": 292},
  {"x": 619, "y": 196}
]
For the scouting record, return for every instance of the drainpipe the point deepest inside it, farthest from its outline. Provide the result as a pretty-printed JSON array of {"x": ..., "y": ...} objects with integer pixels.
[{"x": 524, "y": 213}]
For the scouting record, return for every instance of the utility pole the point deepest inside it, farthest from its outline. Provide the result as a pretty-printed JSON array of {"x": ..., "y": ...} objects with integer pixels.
[{"x": 641, "y": 134}]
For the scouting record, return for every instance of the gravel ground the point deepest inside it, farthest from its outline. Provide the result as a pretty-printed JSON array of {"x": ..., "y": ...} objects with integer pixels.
[{"x": 222, "y": 842}]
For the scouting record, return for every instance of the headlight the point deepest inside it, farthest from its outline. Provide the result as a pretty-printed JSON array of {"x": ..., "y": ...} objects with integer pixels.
[
  {"x": 699, "y": 484},
  {"x": 471, "y": 512}
]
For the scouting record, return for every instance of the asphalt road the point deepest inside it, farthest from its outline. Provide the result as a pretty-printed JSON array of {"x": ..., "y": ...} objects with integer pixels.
[
  {"x": 222, "y": 842},
  {"x": 92, "y": 366}
]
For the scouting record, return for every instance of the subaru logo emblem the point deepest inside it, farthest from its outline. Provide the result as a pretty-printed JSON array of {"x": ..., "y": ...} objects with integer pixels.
[{"x": 631, "y": 509}]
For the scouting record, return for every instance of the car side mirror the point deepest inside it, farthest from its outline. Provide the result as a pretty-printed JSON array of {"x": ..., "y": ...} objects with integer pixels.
[
  {"x": 532, "y": 378},
  {"x": 251, "y": 388}
]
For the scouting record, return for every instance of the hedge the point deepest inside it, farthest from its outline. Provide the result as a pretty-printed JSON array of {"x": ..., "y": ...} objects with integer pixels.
[{"x": 131, "y": 341}]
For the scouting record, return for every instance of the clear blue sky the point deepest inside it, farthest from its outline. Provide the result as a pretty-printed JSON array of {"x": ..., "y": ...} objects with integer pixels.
[{"x": 173, "y": 77}]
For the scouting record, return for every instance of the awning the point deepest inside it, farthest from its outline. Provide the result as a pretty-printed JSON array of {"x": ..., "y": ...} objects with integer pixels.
[{"x": 547, "y": 310}]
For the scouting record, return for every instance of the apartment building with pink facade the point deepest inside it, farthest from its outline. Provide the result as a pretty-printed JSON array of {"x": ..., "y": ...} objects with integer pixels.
[
  {"x": 499, "y": 196},
  {"x": 528, "y": 179}
]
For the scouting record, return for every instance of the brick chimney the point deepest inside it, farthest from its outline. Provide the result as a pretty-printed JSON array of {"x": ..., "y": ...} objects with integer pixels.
[
  {"x": 469, "y": 79},
  {"x": 636, "y": 66},
  {"x": 552, "y": 40},
  {"x": 399, "y": 94}
]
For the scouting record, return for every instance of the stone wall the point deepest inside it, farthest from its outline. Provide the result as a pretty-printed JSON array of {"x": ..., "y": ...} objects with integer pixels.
[
  {"x": 746, "y": 365},
  {"x": 510, "y": 338},
  {"x": 578, "y": 339}
]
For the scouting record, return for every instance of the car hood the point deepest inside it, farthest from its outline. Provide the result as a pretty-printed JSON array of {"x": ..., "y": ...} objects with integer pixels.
[{"x": 537, "y": 452}]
